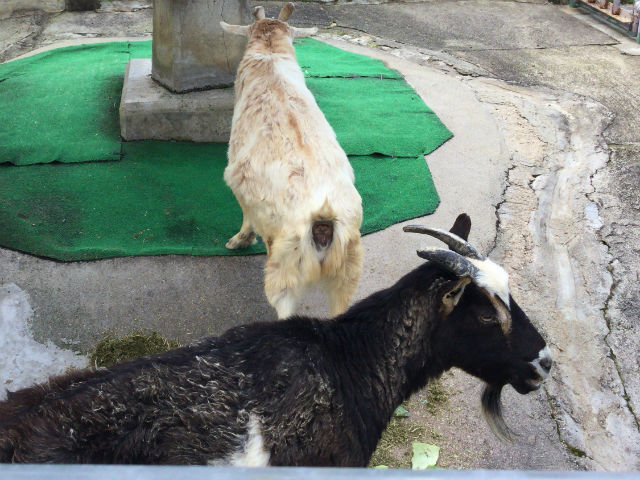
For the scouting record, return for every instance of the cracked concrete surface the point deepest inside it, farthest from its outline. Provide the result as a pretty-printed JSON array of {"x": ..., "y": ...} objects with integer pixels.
[
  {"x": 543, "y": 106},
  {"x": 617, "y": 197},
  {"x": 31, "y": 30},
  {"x": 561, "y": 263},
  {"x": 20, "y": 33}
]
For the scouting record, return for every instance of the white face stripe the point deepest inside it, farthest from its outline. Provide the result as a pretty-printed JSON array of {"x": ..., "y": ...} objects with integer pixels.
[{"x": 493, "y": 278}]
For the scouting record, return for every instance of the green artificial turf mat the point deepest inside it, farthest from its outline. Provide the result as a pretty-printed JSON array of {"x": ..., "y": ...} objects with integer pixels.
[
  {"x": 393, "y": 190},
  {"x": 59, "y": 118},
  {"x": 372, "y": 115},
  {"x": 62, "y": 105},
  {"x": 312, "y": 57},
  {"x": 168, "y": 198},
  {"x": 140, "y": 49}
]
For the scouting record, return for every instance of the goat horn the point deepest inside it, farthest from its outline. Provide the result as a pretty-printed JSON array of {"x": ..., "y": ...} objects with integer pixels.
[
  {"x": 450, "y": 260},
  {"x": 258, "y": 13},
  {"x": 286, "y": 12},
  {"x": 454, "y": 242}
]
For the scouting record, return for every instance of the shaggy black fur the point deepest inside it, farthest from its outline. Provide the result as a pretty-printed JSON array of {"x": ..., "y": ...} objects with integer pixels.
[{"x": 323, "y": 391}]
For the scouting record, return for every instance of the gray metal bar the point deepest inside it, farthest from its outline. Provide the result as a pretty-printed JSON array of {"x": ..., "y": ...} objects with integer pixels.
[
  {"x": 140, "y": 472},
  {"x": 595, "y": 12}
]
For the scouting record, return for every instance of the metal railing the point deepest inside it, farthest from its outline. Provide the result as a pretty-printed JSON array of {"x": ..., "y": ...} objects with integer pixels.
[
  {"x": 626, "y": 22},
  {"x": 143, "y": 472}
]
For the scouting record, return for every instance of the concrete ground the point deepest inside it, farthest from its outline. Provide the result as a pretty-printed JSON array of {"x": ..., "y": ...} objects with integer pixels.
[{"x": 542, "y": 101}]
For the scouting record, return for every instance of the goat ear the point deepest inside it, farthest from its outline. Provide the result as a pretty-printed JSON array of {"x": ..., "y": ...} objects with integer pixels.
[
  {"x": 304, "y": 32},
  {"x": 452, "y": 295},
  {"x": 285, "y": 12},
  {"x": 462, "y": 226},
  {"x": 242, "y": 30}
]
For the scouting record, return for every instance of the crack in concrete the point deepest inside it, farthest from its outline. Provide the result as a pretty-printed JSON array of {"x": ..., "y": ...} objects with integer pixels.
[
  {"x": 224, "y": 42},
  {"x": 612, "y": 294},
  {"x": 612, "y": 355},
  {"x": 355, "y": 29},
  {"x": 503, "y": 200},
  {"x": 520, "y": 49},
  {"x": 574, "y": 148},
  {"x": 575, "y": 451},
  {"x": 623, "y": 144}
]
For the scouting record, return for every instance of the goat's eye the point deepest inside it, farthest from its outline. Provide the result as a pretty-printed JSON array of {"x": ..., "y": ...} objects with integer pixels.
[{"x": 486, "y": 318}]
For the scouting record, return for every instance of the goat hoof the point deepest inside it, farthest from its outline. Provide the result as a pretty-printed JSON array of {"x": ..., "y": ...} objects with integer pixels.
[{"x": 240, "y": 240}]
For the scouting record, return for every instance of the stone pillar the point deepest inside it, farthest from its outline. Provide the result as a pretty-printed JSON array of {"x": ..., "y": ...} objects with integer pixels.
[
  {"x": 189, "y": 49},
  {"x": 185, "y": 91}
]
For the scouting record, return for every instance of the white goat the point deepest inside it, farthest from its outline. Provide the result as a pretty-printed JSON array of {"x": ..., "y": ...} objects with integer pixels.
[{"x": 290, "y": 176}]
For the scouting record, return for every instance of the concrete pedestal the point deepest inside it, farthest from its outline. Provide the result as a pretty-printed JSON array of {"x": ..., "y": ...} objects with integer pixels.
[
  {"x": 149, "y": 111},
  {"x": 190, "y": 49}
]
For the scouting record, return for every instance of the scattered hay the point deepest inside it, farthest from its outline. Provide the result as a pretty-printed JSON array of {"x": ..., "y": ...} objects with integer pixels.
[
  {"x": 136, "y": 344},
  {"x": 436, "y": 397},
  {"x": 394, "y": 449}
]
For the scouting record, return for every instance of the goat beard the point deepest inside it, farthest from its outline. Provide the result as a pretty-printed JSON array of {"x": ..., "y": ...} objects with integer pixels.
[{"x": 492, "y": 410}]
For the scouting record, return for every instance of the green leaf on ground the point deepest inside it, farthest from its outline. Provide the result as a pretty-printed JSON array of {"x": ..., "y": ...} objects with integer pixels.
[
  {"x": 401, "y": 412},
  {"x": 424, "y": 456},
  {"x": 381, "y": 467}
]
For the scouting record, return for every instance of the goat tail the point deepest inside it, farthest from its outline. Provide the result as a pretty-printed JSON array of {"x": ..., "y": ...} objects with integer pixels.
[{"x": 322, "y": 227}]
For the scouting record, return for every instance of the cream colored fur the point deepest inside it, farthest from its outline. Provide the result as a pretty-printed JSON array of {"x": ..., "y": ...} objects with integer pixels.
[{"x": 286, "y": 170}]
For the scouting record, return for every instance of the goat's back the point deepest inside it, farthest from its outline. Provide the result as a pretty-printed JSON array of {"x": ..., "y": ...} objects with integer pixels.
[
  {"x": 159, "y": 409},
  {"x": 188, "y": 406},
  {"x": 284, "y": 158}
]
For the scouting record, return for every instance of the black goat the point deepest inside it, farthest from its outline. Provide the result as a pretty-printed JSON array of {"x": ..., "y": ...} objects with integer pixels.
[{"x": 294, "y": 392}]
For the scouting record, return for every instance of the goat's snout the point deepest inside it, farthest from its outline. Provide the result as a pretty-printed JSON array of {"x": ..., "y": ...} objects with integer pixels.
[
  {"x": 542, "y": 365},
  {"x": 545, "y": 360}
]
